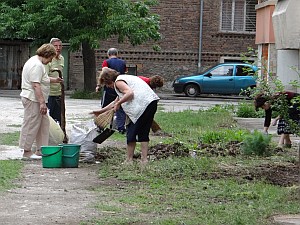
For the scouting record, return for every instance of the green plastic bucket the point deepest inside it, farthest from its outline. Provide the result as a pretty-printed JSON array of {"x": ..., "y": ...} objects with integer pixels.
[
  {"x": 51, "y": 156},
  {"x": 70, "y": 155}
]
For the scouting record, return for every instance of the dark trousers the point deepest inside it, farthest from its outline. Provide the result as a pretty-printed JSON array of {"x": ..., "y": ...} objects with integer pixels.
[
  {"x": 54, "y": 106},
  {"x": 121, "y": 118},
  {"x": 109, "y": 95},
  {"x": 139, "y": 131}
]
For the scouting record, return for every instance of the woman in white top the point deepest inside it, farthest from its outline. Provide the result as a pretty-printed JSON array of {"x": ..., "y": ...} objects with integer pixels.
[
  {"x": 138, "y": 101},
  {"x": 34, "y": 94}
]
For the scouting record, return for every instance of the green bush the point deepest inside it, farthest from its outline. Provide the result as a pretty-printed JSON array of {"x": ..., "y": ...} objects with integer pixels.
[
  {"x": 221, "y": 108},
  {"x": 223, "y": 136},
  {"x": 256, "y": 143},
  {"x": 83, "y": 94},
  {"x": 246, "y": 110}
]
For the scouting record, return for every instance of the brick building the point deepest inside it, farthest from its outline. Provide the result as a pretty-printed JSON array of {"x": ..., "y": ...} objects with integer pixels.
[{"x": 211, "y": 31}]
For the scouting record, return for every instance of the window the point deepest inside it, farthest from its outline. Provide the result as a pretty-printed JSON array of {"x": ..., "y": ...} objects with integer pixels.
[
  {"x": 238, "y": 15},
  {"x": 222, "y": 71},
  {"x": 244, "y": 71}
]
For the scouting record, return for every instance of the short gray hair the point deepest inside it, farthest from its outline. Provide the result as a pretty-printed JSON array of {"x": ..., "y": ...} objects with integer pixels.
[
  {"x": 112, "y": 51},
  {"x": 54, "y": 40}
]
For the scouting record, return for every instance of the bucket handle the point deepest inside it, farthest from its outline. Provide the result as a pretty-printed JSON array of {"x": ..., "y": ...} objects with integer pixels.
[
  {"x": 71, "y": 156},
  {"x": 46, "y": 155}
]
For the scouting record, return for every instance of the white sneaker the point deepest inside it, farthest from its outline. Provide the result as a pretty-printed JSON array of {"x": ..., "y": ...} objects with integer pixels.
[{"x": 34, "y": 156}]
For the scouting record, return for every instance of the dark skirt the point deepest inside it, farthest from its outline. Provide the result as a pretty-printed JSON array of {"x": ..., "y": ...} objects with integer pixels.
[{"x": 283, "y": 127}]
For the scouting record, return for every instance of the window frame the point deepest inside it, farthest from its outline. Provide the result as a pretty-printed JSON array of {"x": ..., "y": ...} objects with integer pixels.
[{"x": 246, "y": 16}]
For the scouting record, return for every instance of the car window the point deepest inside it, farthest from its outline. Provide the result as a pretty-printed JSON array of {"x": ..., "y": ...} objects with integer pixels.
[
  {"x": 244, "y": 71},
  {"x": 222, "y": 71}
]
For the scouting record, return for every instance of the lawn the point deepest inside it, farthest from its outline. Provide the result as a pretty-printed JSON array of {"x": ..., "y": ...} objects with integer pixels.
[
  {"x": 198, "y": 174},
  {"x": 220, "y": 184}
]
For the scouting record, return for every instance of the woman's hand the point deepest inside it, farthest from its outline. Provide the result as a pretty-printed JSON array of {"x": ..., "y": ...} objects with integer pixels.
[
  {"x": 266, "y": 130},
  {"x": 98, "y": 88},
  {"x": 43, "y": 108},
  {"x": 274, "y": 122},
  {"x": 117, "y": 106},
  {"x": 106, "y": 108},
  {"x": 56, "y": 80},
  {"x": 95, "y": 113},
  {"x": 59, "y": 80}
]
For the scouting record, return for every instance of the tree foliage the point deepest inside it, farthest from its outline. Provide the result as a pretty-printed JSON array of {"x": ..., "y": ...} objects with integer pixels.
[{"x": 82, "y": 23}]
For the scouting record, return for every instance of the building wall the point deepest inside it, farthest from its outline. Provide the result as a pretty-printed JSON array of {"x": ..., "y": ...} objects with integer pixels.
[
  {"x": 13, "y": 55},
  {"x": 179, "y": 44},
  {"x": 264, "y": 26}
]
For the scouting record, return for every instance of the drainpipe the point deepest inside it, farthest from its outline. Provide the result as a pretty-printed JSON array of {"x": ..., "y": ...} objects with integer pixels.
[{"x": 200, "y": 36}]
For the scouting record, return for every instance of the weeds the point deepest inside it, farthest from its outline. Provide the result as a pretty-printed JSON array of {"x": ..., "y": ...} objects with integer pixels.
[
  {"x": 247, "y": 110},
  {"x": 214, "y": 189},
  {"x": 10, "y": 139},
  {"x": 224, "y": 136},
  {"x": 256, "y": 143},
  {"x": 205, "y": 189},
  {"x": 83, "y": 94},
  {"x": 9, "y": 170}
]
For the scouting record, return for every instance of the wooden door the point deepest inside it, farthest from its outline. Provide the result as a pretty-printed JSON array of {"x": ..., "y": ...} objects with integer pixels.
[{"x": 10, "y": 68}]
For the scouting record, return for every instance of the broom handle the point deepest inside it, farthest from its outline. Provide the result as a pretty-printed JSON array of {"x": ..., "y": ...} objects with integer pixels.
[{"x": 63, "y": 107}]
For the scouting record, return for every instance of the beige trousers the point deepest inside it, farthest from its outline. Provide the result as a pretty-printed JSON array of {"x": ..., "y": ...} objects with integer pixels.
[{"x": 35, "y": 126}]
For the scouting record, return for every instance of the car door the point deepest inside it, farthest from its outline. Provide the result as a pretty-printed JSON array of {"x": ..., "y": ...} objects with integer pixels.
[
  {"x": 219, "y": 80},
  {"x": 243, "y": 78}
]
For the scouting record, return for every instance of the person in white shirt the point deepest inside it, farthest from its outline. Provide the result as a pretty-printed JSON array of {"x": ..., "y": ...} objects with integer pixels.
[
  {"x": 138, "y": 101},
  {"x": 35, "y": 91}
]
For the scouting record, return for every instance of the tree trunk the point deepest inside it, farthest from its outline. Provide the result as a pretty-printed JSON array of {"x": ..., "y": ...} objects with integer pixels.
[{"x": 89, "y": 67}]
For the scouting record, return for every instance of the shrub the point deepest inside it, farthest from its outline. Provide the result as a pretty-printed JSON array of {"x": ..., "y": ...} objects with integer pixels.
[
  {"x": 223, "y": 136},
  {"x": 256, "y": 143},
  {"x": 246, "y": 110},
  {"x": 83, "y": 94},
  {"x": 221, "y": 108}
]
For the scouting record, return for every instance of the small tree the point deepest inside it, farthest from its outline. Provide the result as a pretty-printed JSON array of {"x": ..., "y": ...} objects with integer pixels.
[{"x": 272, "y": 87}]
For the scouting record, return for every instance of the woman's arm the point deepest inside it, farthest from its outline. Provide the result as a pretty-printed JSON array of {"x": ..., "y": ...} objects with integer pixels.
[
  {"x": 40, "y": 97},
  {"x": 274, "y": 122},
  {"x": 56, "y": 80},
  {"x": 126, "y": 90},
  {"x": 106, "y": 108},
  {"x": 268, "y": 117}
]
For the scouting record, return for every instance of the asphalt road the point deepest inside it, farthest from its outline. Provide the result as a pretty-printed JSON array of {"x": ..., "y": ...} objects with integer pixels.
[{"x": 170, "y": 101}]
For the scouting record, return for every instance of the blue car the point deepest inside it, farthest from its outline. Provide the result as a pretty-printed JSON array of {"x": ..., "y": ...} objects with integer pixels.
[{"x": 224, "y": 78}]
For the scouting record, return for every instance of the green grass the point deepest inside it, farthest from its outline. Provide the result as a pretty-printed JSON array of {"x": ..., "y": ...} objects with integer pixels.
[
  {"x": 174, "y": 192},
  {"x": 83, "y": 94},
  {"x": 9, "y": 170},
  {"x": 190, "y": 190},
  {"x": 11, "y": 139},
  {"x": 184, "y": 190}
]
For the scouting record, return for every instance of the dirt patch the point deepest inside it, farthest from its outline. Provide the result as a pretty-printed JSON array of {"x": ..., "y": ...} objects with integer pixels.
[
  {"x": 51, "y": 196},
  {"x": 67, "y": 196},
  {"x": 282, "y": 174}
]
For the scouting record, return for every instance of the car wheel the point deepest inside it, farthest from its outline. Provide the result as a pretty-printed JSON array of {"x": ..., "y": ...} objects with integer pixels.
[{"x": 191, "y": 90}]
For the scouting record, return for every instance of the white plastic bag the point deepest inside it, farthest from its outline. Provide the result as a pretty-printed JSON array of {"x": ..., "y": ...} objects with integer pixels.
[
  {"x": 83, "y": 134},
  {"x": 56, "y": 135}
]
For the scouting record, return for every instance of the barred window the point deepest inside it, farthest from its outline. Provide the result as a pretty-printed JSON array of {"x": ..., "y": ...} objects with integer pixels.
[{"x": 238, "y": 15}]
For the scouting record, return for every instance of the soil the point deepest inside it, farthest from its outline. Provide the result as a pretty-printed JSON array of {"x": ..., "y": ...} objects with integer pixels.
[{"x": 66, "y": 196}]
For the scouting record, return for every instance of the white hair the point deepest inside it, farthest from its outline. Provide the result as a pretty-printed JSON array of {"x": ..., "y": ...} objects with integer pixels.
[{"x": 54, "y": 40}]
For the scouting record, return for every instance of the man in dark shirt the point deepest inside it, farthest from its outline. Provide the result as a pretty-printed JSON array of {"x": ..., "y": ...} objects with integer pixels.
[{"x": 109, "y": 94}]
